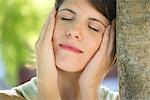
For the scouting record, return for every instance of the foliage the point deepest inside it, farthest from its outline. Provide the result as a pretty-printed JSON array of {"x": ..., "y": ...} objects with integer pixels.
[{"x": 20, "y": 24}]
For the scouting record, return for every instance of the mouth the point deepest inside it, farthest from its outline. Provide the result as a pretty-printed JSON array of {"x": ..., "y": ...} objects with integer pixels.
[{"x": 70, "y": 48}]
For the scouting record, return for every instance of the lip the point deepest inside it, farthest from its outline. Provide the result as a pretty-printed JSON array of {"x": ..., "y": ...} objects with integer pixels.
[{"x": 70, "y": 48}]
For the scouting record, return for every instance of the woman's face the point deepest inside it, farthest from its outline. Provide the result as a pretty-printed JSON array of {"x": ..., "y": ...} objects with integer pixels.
[{"x": 79, "y": 25}]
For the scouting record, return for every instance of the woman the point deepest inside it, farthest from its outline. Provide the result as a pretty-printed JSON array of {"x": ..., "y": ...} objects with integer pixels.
[{"x": 74, "y": 53}]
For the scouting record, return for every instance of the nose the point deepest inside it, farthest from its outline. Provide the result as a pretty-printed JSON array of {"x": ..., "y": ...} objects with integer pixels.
[{"x": 75, "y": 33}]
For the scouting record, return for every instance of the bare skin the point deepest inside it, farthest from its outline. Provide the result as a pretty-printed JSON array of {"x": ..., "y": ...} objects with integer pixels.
[
  {"x": 78, "y": 85},
  {"x": 46, "y": 72},
  {"x": 57, "y": 84}
]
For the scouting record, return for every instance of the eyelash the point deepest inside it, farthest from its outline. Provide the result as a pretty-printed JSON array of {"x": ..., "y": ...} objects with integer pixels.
[
  {"x": 93, "y": 28},
  {"x": 67, "y": 19}
]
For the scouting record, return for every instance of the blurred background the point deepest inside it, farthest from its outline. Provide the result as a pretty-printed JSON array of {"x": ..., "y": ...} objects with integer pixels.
[{"x": 20, "y": 25}]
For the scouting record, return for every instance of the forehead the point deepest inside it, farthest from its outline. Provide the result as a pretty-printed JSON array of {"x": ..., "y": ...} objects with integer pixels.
[{"x": 84, "y": 7}]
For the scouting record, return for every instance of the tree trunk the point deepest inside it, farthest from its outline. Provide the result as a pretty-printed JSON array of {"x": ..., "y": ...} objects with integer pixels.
[{"x": 133, "y": 49}]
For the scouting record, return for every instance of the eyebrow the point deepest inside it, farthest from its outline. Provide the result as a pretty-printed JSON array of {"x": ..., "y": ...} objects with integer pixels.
[
  {"x": 66, "y": 9},
  {"x": 98, "y": 21}
]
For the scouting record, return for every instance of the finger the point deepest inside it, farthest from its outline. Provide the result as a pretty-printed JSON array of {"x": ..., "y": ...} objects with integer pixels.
[
  {"x": 114, "y": 24},
  {"x": 100, "y": 53},
  {"x": 114, "y": 29},
  {"x": 45, "y": 54},
  {"x": 98, "y": 58},
  {"x": 49, "y": 31},
  {"x": 112, "y": 43},
  {"x": 114, "y": 61},
  {"x": 105, "y": 41},
  {"x": 43, "y": 31}
]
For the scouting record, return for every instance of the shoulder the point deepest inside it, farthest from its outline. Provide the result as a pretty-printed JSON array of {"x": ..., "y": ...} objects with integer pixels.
[
  {"x": 28, "y": 90},
  {"x": 10, "y": 95}
]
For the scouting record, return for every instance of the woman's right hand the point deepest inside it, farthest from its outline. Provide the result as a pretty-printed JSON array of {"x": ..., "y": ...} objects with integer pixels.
[{"x": 46, "y": 69}]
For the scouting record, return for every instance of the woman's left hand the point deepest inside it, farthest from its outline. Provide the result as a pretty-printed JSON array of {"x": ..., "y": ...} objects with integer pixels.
[{"x": 99, "y": 66}]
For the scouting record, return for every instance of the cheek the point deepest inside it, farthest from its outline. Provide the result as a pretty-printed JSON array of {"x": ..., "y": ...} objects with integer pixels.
[
  {"x": 67, "y": 61},
  {"x": 59, "y": 33},
  {"x": 93, "y": 46},
  {"x": 56, "y": 37}
]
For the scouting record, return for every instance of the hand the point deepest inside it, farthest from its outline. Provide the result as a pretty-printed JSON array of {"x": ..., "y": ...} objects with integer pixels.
[
  {"x": 46, "y": 71},
  {"x": 99, "y": 66}
]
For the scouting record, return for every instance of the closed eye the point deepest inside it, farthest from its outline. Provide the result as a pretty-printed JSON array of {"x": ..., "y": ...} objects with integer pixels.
[
  {"x": 94, "y": 29},
  {"x": 66, "y": 18}
]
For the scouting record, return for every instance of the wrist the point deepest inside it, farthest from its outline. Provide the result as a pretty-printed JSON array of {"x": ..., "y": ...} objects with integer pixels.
[
  {"x": 89, "y": 93},
  {"x": 89, "y": 84},
  {"x": 89, "y": 90},
  {"x": 48, "y": 91}
]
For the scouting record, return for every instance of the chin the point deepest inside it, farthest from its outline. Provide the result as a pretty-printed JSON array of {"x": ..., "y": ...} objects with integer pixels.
[{"x": 69, "y": 68}]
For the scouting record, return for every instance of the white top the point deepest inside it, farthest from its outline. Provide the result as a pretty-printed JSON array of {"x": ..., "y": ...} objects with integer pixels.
[{"x": 29, "y": 91}]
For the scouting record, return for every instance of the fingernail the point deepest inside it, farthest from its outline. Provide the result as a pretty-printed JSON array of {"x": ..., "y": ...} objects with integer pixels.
[
  {"x": 53, "y": 8},
  {"x": 53, "y": 11},
  {"x": 110, "y": 27}
]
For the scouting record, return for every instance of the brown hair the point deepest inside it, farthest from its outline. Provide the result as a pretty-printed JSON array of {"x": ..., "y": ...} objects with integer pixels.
[{"x": 106, "y": 7}]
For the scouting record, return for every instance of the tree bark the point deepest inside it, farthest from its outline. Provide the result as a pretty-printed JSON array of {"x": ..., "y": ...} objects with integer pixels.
[{"x": 133, "y": 49}]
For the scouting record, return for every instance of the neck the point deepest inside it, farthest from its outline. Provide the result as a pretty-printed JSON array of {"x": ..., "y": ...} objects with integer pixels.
[{"x": 68, "y": 84}]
